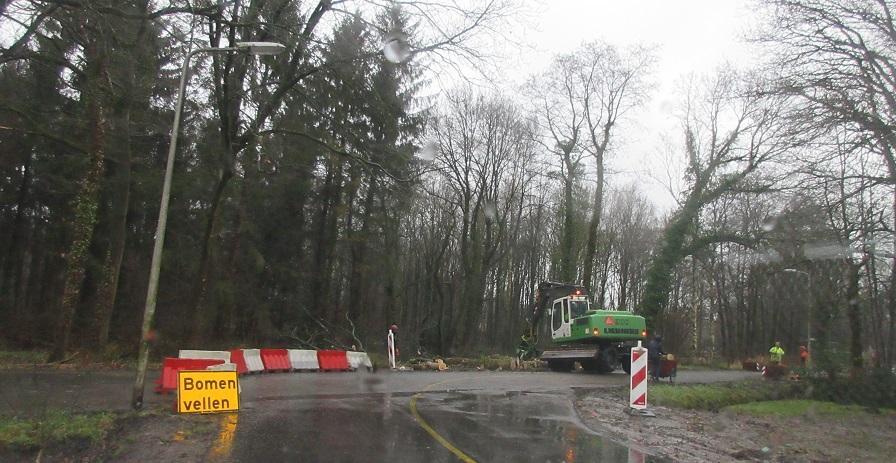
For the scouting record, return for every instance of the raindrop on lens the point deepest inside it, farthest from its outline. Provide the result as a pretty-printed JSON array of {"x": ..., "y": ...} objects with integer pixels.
[
  {"x": 396, "y": 48},
  {"x": 490, "y": 210},
  {"x": 428, "y": 151},
  {"x": 769, "y": 224}
]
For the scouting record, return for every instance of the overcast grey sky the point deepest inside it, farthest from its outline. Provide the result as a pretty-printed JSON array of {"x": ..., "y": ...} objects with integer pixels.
[{"x": 694, "y": 36}]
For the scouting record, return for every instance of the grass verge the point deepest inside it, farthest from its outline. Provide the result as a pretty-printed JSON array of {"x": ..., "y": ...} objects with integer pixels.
[
  {"x": 112, "y": 357},
  {"x": 717, "y": 396},
  {"x": 690, "y": 364},
  {"x": 22, "y": 357},
  {"x": 793, "y": 408},
  {"x": 53, "y": 428}
]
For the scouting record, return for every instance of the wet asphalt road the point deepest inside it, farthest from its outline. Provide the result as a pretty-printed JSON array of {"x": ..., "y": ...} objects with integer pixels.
[
  {"x": 30, "y": 392},
  {"x": 363, "y": 417},
  {"x": 484, "y": 416}
]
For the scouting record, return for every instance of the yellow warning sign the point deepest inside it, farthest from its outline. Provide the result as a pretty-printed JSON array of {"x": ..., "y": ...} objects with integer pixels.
[{"x": 207, "y": 391}]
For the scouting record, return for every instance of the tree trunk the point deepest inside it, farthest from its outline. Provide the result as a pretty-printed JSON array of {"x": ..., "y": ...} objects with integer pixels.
[
  {"x": 855, "y": 318},
  {"x": 11, "y": 275},
  {"x": 567, "y": 260},
  {"x": 594, "y": 225},
  {"x": 203, "y": 313},
  {"x": 359, "y": 254},
  {"x": 86, "y": 202},
  {"x": 889, "y": 356},
  {"x": 602, "y": 284},
  {"x": 327, "y": 221},
  {"x": 120, "y": 187}
]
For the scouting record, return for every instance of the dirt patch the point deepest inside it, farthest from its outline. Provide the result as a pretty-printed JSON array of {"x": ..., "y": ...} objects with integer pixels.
[
  {"x": 693, "y": 435},
  {"x": 483, "y": 363},
  {"x": 76, "y": 450},
  {"x": 162, "y": 436}
]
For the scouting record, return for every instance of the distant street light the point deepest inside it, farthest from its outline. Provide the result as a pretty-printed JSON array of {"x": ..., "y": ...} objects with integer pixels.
[
  {"x": 252, "y": 48},
  {"x": 808, "y": 314}
]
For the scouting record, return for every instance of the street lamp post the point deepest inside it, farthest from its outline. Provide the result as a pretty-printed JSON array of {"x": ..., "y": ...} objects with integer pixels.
[
  {"x": 252, "y": 48},
  {"x": 808, "y": 314}
]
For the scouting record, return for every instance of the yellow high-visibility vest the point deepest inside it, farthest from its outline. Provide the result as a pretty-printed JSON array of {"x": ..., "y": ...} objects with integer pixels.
[{"x": 776, "y": 353}]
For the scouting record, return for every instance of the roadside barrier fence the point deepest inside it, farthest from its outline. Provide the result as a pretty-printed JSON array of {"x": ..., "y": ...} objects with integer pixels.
[{"x": 245, "y": 361}]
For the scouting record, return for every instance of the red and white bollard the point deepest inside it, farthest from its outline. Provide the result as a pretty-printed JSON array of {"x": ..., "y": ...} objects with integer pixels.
[{"x": 637, "y": 401}]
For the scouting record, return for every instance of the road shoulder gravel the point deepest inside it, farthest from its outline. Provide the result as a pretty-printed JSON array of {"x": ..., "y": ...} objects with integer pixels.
[{"x": 695, "y": 435}]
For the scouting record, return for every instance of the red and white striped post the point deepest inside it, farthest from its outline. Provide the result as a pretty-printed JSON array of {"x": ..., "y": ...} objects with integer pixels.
[{"x": 638, "y": 388}]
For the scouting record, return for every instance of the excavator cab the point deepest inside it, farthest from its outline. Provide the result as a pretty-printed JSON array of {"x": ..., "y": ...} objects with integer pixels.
[{"x": 564, "y": 312}]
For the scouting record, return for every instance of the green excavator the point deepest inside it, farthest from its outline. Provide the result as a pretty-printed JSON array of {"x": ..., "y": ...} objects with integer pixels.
[{"x": 599, "y": 340}]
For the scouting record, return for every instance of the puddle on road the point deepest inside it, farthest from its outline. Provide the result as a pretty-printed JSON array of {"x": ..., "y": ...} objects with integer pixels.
[
  {"x": 512, "y": 427},
  {"x": 522, "y": 426}
]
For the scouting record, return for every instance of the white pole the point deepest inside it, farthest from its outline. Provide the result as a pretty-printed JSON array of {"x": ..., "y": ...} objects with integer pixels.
[
  {"x": 152, "y": 288},
  {"x": 390, "y": 340},
  {"x": 159, "y": 242}
]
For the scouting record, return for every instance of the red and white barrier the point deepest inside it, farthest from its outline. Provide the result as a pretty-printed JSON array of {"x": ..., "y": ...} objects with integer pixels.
[
  {"x": 252, "y": 357},
  {"x": 167, "y": 381},
  {"x": 226, "y": 366},
  {"x": 204, "y": 354},
  {"x": 275, "y": 360},
  {"x": 301, "y": 359},
  {"x": 237, "y": 358},
  {"x": 210, "y": 355},
  {"x": 332, "y": 360},
  {"x": 359, "y": 359},
  {"x": 257, "y": 360},
  {"x": 638, "y": 386}
]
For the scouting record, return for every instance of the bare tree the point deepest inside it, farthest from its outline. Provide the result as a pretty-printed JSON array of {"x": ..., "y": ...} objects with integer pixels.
[
  {"x": 631, "y": 220},
  {"x": 730, "y": 131},
  {"x": 611, "y": 83},
  {"x": 557, "y": 105},
  {"x": 484, "y": 146},
  {"x": 839, "y": 58}
]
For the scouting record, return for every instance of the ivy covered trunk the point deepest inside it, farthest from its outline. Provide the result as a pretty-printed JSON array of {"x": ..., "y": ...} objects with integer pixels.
[
  {"x": 659, "y": 276},
  {"x": 86, "y": 202},
  {"x": 120, "y": 180}
]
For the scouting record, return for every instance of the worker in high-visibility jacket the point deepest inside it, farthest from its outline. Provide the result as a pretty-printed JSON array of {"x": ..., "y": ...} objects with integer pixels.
[{"x": 776, "y": 353}]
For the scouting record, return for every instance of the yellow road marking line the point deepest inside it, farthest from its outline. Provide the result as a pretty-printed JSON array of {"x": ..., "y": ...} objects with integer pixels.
[
  {"x": 223, "y": 445},
  {"x": 432, "y": 432}
]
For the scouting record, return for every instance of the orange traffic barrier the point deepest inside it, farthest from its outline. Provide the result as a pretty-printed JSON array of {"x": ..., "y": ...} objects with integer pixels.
[
  {"x": 167, "y": 382},
  {"x": 275, "y": 360},
  {"x": 332, "y": 360}
]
